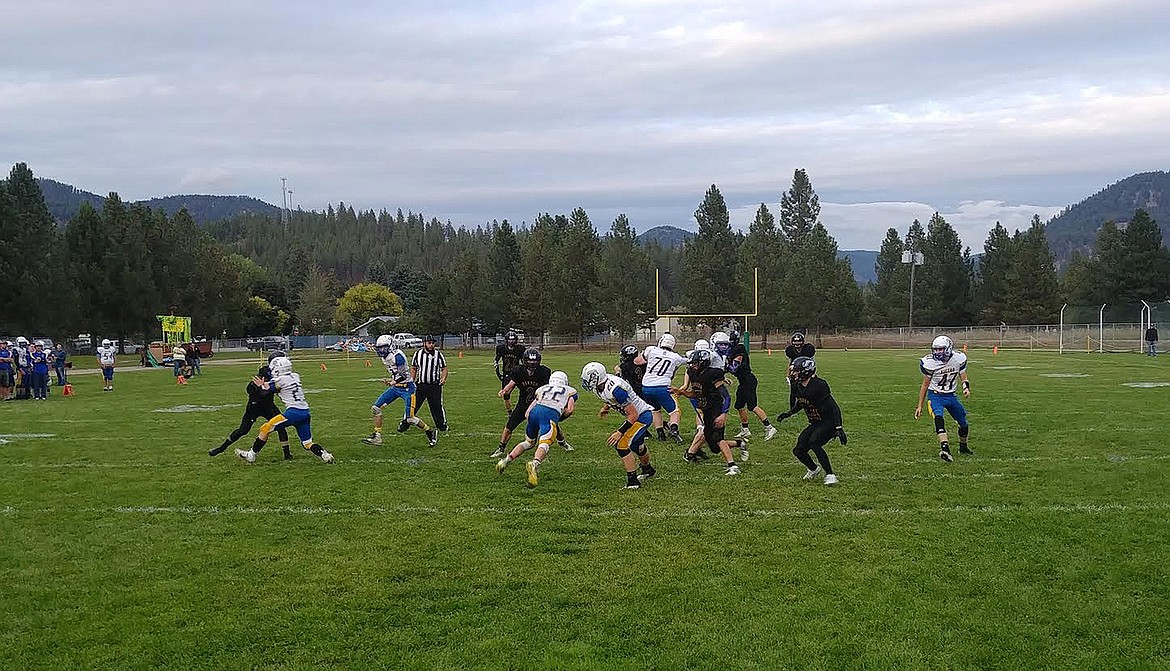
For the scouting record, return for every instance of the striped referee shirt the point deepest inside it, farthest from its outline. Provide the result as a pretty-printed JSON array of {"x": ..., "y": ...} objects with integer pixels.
[{"x": 429, "y": 365}]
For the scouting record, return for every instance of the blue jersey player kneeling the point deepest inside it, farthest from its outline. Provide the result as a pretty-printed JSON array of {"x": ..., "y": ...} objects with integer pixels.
[{"x": 942, "y": 371}]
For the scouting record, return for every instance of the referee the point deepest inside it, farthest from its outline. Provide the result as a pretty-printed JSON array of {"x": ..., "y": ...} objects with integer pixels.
[{"x": 429, "y": 370}]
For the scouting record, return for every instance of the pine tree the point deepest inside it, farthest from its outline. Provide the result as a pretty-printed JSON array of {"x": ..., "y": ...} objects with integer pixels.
[
  {"x": 800, "y": 209},
  {"x": 501, "y": 272},
  {"x": 764, "y": 252},
  {"x": 1145, "y": 273},
  {"x": 29, "y": 235},
  {"x": 626, "y": 290},
  {"x": 317, "y": 302},
  {"x": 540, "y": 276},
  {"x": 86, "y": 243},
  {"x": 709, "y": 288},
  {"x": 1031, "y": 288},
  {"x": 945, "y": 277},
  {"x": 888, "y": 302},
  {"x": 997, "y": 261}
]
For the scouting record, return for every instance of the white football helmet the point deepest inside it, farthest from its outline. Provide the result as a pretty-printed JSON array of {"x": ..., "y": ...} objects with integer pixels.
[
  {"x": 385, "y": 340},
  {"x": 721, "y": 342},
  {"x": 559, "y": 377},
  {"x": 593, "y": 375},
  {"x": 666, "y": 341},
  {"x": 702, "y": 344},
  {"x": 106, "y": 342},
  {"x": 21, "y": 340},
  {"x": 281, "y": 365},
  {"x": 942, "y": 348}
]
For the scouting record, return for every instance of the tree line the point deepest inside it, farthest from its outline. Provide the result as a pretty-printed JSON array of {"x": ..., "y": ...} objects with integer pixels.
[{"x": 111, "y": 269}]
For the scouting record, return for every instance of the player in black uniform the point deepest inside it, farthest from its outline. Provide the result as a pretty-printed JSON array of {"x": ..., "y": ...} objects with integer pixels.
[
  {"x": 704, "y": 385},
  {"x": 260, "y": 406},
  {"x": 527, "y": 377},
  {"x": 508, "y": 354},
  {"x": 632, "y": 372},
  {"x": 812, "y": 395},
  {"x": 739, "y": 364}
]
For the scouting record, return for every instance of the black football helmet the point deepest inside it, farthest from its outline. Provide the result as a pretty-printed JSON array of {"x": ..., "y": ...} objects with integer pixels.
[
  {"x": 511, "y": 338},
  {"x": 798, "y": 338},
  {"x": 628, "y": 353},
  {"x": 734, "y": 336},
  {"x": 265, "y": 372},
  {"x": 803, "y": 367},
  {"x": 531, "y": 358},
  {"x": 699, "y": 359}
]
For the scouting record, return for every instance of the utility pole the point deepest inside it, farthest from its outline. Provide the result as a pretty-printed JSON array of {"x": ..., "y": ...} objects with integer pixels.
[
  {"x": 284, "y": 203},
  {"x": 913, "y": 259}
]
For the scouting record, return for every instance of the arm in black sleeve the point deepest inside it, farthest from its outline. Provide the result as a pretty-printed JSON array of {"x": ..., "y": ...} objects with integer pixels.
[{"x": 827, "y": 407}]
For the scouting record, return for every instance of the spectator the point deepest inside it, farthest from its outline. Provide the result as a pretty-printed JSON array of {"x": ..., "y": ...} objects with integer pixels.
[
  {"x": 193, "y": 359},
  {"x": 7, "y": 370},
  {"x": 1152, "y": 341},
  {"x": 59, "y": 364},
  {"x": 178, "y": 358}
]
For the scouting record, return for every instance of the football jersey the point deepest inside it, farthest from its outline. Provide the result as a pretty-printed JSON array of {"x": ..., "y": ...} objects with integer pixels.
[
  {"x": 509, "y": 357},
  {"x": 6, "y": 353},
  {"x": 744, "y": 367},
  {"x": 290, "y": 391},
  {"x": 660, "y": 366},
  {"x": 793, "y": 352},
  {"x": 703, "y": 384},
  {"x": 106, "y": 355},
  {"x": 632, "y": 373},
  {"x": 529, "y": 381},
  {"x": 398, "y": 367},
  {"x": 555, "y": 396},
  {"x": 944, "y": 375},
  {"x": 816, "y": 400},
  {"x": 617, "y": 394}
]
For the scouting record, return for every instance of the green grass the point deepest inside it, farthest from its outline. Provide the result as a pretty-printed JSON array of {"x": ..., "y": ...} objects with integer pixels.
[{"x": 125, "y": 546}]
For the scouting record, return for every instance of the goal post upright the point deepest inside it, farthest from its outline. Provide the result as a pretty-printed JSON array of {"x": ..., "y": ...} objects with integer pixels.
[{"x": 709, "y": 315}]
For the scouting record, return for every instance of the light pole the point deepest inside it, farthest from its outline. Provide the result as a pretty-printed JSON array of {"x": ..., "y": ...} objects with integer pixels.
[{"x": 913, "y": 259}]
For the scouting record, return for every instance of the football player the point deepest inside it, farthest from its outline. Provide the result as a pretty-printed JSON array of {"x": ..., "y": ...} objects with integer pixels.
[
  {"x": 553, "y": 403},
  {"x": 529, "y": 376},
  {"x": 105, "y": 357},
  {"x": 705, "y": 386},
  {"x": 508, "y": 354},
  {"x": 296, "y": 411},
  {"x": 942, "y": 371},
  {"x": 400, "y": 384},
  {"x": 812, "y": 395},
  {"x": 629, "y": 440},
  {"x": 661, "y": 362},
  {"x": 798, "y": 348},
  {"x": 746, "y": 398},
  {"x": 260, "y": 405}
]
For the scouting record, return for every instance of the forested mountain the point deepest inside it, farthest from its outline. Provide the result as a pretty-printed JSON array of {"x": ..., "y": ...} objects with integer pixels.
[
  {"x": 1076, "y": 227},
  {"x": 863, "y": 261},
  {"x": 665, "y": 236},
  {"x": 64, "y": 200}
]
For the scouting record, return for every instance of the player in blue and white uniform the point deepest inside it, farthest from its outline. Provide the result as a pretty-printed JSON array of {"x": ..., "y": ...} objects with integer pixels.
[
  {"x": 7, "y": 369},
  {"x": 296, "y": 411},
  {"x": 661, "y": 363},
  {"x": 553, "y": 403},
  {"x": 942, "y": 371},
  {"x": 400, "y": 384},
  {"x": 630, "y": 438},
  {"x": 40, "y": 372},
  {"x": 105, "y": 357}
]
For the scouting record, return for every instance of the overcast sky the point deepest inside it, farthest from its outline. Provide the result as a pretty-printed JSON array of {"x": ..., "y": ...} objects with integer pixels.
[{"x": 987, "y": 110}]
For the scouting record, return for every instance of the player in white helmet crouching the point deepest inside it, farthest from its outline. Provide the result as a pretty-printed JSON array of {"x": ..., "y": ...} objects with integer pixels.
[
  {"x": 553, "y": 403},
  {"x": 296, "y": 411}
]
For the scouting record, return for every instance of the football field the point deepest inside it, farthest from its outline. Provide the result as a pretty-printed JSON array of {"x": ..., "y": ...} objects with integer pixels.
[{"x": 125, "y": 546}]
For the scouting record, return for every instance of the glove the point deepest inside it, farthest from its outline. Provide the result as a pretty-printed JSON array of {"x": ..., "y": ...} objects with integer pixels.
[
  {"x": 781, "y": 417},
  {"x": 841, "y": 436}
]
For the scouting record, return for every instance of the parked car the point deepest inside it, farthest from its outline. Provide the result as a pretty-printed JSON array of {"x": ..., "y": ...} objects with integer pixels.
[
  {"x": 267, "y": 343},
  {"x": 82, "y": 344},
  {"x": 131, "y": 347},
  {"x": 408, "y": 340}
]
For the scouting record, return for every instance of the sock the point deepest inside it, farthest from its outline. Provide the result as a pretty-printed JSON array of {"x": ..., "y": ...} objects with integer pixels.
[
  {"x": 631, "y": 476},
  {"x": 507, "y": 458},
  {"x": 503, "y": 446},
  {"x": 661, "y": 432},
  {"x": 766, "y": 422},
  {"x": 731, "y": 463},
  {"x": 945, "y": 445},
  {"x": 536, "y": 463},
  {"x": 673, "y": 427},
  {"x": 963, "y": 444},
  {"x": 258, "y": 445},
  {"x": 743, "y": 424},
  {"x": 284, "y": 448},
  {"x": 316, "y": 449}
]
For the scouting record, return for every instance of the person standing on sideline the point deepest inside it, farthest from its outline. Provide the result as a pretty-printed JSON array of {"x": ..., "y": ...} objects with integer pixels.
[
  {"x": 7, "y": 370},
  {"x": 40, "y": 374},
  {"x": 105, "y": 357},
  {"x": 429, "y": 370},
  {"x": 59, "y": 357},
  {"x": 178, "y": 358},
  {"x": 1152, "y": 341}
]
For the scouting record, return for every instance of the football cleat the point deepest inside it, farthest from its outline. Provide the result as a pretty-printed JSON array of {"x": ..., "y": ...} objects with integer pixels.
[
  {"x": 830, "y": 479},
  {"x": 732, "y": 470},
  {"x": 566, "y": 446},
  {"x": 813, "y": 473},
  {"x": 963, "y": 449},
  {"x": 501, "y": 465},
  {"x": 373, "y": 439},
  {"x": 674, "y": 435},
  {"x": 497, "y": 454},
  {"x": 247, "y": 455},
  {"x": 633, "y": 484},
  {"x": 770, "y": 433},
  {"x": 403, "y": 426},
  {"x": 744, "y": 433},
  {"x": 945, "y": 455},
  {"x": 326, "y": 457},
  {"x": 533, "y": 478},
  {"x": 647, "y": 472},
  {"x": 432, "y": 438}
]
